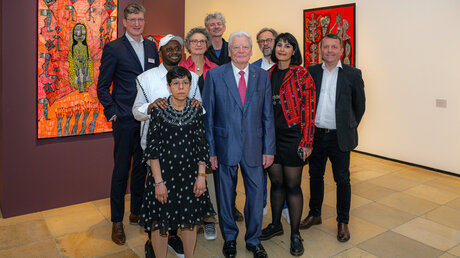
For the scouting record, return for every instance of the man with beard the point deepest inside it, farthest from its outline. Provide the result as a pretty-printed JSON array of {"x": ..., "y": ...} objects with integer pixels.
[
  {"x": 218, "y": 51},
  {"x": 152, "y": 91},
  {"x": 266, "y": 40}
]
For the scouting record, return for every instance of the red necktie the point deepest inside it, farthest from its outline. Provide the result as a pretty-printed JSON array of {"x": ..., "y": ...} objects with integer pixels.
[{"x": 242, "y": 87}]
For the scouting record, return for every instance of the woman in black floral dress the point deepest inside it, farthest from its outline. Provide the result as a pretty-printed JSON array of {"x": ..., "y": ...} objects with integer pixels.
[{"x": 175, "y": 195}]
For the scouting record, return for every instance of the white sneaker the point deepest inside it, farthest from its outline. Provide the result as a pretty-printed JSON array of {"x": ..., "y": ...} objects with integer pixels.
[
  {"x": 265, "y": 211},
  {"x": 285, "y": 214},
  {"x": 210, "y": 232}
]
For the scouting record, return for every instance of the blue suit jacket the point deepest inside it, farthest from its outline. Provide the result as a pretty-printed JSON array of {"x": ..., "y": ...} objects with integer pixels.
[
  {"x": 234, "y": 132},
  {"x": 120, "y": 65},
  {"x": 258, "y": 63}
]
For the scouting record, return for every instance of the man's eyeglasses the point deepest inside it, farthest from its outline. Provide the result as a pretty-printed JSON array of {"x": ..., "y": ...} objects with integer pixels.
[{"x": 263, "y": 41}]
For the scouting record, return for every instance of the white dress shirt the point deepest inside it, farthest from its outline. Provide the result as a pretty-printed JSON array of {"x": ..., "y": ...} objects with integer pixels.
[
  {"x": 154, "y": 83},
  {"x": 325, "y": 110},
  {"x": 265, "y": 64},
  {"x": 138, "y": 48}
]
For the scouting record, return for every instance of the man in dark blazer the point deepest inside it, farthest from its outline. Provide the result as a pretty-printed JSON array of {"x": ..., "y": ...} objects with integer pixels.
[
  {"x": 340, "y": 107},
  {"x": 122, "y": 61},
  {"x": 239, "y": 125}
]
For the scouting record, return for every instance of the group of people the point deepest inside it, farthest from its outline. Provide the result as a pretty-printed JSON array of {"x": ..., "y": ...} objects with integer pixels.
[{"x": 214, "y": 113}]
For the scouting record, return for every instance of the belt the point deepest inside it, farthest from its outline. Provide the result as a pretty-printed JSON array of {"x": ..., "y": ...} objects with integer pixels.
[{"x": 325, "y": 130}]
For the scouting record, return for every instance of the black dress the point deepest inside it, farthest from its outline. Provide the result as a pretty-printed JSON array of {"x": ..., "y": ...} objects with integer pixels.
[
  {"x": 177, "y": 139},
  {"x": 287, "y": 138}
]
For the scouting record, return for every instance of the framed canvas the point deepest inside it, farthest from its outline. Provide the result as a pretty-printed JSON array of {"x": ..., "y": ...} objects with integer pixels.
[
  {"x": 339, "y": 20},
  {"x": 156, "y": 39},
  {"x": 71, "y": 35}
]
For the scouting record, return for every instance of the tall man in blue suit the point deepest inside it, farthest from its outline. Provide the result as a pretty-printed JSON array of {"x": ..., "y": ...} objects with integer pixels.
[
  {"x": 240, "y": 130},
  {"x": 122, "y": 61}
]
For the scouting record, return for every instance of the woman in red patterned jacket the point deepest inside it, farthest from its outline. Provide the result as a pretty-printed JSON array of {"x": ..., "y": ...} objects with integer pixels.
[{"x": 294, "y": 99}]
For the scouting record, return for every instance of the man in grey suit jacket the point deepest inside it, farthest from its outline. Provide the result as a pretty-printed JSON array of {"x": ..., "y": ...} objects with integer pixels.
[
  {"x": 340, "y": 107},
  {"x": 239, "y": 125}
]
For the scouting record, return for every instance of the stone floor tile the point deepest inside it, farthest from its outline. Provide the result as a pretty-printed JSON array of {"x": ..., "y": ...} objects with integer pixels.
[
  {"x": 128, "y": 253},
  {"x": 445, "y": 216},
  {"x": 430, "y": 233},
  {"x": 394, "y": 182},
  {"x": 432, "y": 194},
  {"x": 23, "y": 233},
  {"x": 22, "y": 218},
  {"x": 354, "y": 252},
  {"x": 69, "y": 223},
  {"x": 455, "y": 251},
  {"x": 90, "y": 243},
  {"x": 45, "y": 248},
  {"x": 408, "y": 203},
  {"x": 382, "y": 215},
  {"x": 454, "y": 204},
  {"x": 391, "y": 244}
]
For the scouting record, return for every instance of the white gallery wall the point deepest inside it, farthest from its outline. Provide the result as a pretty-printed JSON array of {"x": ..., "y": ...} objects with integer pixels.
[{"x": 409, "y": 53}]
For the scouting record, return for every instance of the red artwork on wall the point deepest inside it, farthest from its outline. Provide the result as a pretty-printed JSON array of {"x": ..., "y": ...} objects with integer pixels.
[
  {"x": 71, "y": 36},
  {"x": 339, "y": 20}
]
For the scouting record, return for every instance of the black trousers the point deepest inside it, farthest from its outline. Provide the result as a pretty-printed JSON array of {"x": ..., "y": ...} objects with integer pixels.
[
  {"x": 325, "y": 146},
  {"x": 127, "y": 151}
]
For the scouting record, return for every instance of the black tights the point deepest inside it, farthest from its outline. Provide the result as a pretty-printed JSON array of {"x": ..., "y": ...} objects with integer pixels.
[{"x": 285, "y": 185}]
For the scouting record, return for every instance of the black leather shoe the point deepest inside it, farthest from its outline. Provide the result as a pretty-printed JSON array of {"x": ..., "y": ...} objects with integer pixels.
[
  {"x": 310, "y": 221},
  {"x": 149, "y": 253},
  {"x": 229, "y": 249},
  {"x": 296, "y": 245},
  {"x": 271, "y": 230},
  {"x": 343, "y": 234},
  {"x": 118, "y": 233},
  {"x": 175, "y": 243},
  {"x": 237, "y": 215},
  {"x": 134, "y": 219},
  {"x": 257, "y": 250}
]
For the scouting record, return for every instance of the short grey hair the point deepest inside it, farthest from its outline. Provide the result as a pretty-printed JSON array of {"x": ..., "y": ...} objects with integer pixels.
[
  {"x": 275, "y": 34},
  {"x": 195, "y": 31},
  {"x": 215, "y": 15},
  {"x": 133, "y": 8},
  {"x": 239, "y": 33}
]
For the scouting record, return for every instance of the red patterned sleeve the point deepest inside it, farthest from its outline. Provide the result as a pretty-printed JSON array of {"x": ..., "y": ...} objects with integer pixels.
[{"x": 307, "y": 105}]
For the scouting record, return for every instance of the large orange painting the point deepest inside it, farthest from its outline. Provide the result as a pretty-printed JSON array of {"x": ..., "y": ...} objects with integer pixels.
[{"x": 71, "y": 36}]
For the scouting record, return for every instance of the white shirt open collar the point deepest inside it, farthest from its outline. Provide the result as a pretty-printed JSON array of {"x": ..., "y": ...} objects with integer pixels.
[{"x": 339, "y": 65}]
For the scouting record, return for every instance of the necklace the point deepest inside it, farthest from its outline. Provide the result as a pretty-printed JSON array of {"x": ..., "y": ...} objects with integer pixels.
[{"x": 198, "y": 68}]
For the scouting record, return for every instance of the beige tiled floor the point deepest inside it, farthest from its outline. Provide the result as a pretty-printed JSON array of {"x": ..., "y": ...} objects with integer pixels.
[{"x": 397, "y": 211}]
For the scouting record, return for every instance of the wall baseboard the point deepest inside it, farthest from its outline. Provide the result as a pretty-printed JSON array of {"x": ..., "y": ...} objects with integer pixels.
[{"x": 408, "y": 163}]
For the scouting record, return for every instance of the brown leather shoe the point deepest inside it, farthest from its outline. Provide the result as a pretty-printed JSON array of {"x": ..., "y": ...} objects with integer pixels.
[
  {"x": 134, "y": 219},
  {"x": 118, "y": 233},
  {"x": 343, "y": 234},
  {"x": 310, "y": 221}
]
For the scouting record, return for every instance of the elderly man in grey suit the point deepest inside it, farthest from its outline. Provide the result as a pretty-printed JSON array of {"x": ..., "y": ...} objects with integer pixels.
[{"x": 340, "y": 107}]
